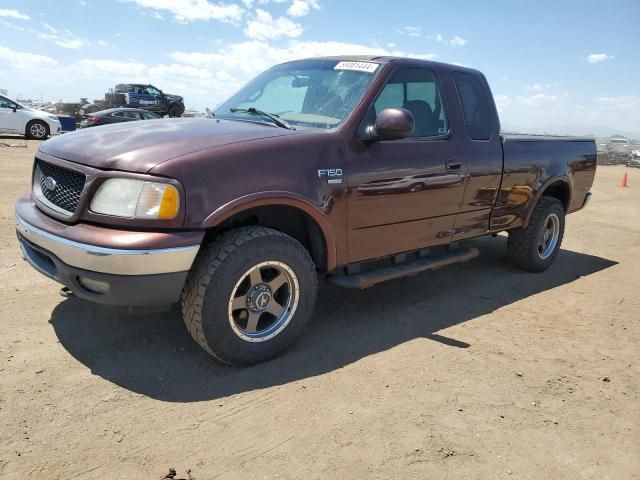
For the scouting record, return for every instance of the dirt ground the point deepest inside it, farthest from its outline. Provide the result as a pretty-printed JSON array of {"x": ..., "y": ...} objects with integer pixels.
[{"x": 475, "y": 371}]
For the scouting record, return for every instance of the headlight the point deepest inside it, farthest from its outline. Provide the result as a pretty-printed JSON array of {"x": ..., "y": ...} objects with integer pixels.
[
  {"x": 123, "y": 197},
  {"x": 51, "y": 117}
]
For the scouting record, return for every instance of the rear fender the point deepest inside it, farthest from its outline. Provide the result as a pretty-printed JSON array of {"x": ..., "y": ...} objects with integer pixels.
[{"x": 563, "y": 178}]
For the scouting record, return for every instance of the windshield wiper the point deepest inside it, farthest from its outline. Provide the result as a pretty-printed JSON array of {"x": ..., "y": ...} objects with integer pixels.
[{"x": 271, "y": 116}]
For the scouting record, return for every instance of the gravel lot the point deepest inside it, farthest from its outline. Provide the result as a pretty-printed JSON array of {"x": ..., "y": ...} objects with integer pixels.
[{"x": 475, "y": 371}]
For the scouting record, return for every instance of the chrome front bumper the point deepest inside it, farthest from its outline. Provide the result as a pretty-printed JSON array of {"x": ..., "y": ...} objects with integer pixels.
[{"x": 108, "y": 260}]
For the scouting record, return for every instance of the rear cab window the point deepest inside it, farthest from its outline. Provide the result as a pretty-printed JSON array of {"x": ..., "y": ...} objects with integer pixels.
[{"x": 477, "y": 111}]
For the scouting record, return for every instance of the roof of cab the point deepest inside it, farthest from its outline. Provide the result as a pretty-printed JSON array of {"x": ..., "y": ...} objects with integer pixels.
[{"x": 385, "y": 59}]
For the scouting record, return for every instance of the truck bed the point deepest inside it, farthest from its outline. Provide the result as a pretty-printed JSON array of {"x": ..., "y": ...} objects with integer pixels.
[{"x": 532, "y": 163}]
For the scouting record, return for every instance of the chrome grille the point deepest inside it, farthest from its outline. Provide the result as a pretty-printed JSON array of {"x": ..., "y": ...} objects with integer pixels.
[{"x": 58, "y": 186}]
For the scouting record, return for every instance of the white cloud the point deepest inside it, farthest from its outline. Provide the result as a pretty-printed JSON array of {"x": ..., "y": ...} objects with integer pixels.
[
  {"x": 520, "y": 102},
  {"x": 63, "y": 38},
  {"x": 630, "y": 101},
  {"x": 540, "y": 87},
  {"x": 11, "y": 13},
  {"x": 621, "y": 110},
  {"x": 410, "y": 31},
  {"x": 246, "y": 59},
  {"x": 598, "y": 57},
  {"x": 154, "y": 14},
  {"x": 25, "y": 61},
  {"x": 300, "y": 8},
  {"x": 136, "y": 71},
  {"x": 49, "y": 28},
  {"x": 264, "y": 27},
  {"x": 185, "y": 11},
  {"x": 11, "y": 25},
  {"x": 457, "y": 41}
]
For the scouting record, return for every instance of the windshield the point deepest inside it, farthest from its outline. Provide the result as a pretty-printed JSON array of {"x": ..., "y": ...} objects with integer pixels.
[{"x": 311, "y": 93}]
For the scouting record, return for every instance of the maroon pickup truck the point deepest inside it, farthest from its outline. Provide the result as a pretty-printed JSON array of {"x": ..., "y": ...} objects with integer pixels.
[{"x": 356, "y": 170}]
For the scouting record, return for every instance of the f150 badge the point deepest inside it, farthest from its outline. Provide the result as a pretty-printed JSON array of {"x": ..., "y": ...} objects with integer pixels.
[{"x": 333, "y": 175}]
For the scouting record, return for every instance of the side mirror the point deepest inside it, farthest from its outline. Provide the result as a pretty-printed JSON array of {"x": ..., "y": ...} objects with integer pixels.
[
  {"x": 394, "y": 124},
  {"x": 14, "y": 107}
]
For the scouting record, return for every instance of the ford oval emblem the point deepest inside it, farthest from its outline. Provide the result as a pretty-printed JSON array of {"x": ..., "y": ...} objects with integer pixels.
[{"x": 50, "y": 184}]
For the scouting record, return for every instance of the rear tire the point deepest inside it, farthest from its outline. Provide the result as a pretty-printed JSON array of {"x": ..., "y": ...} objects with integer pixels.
[
  {"x": 37, "y": 130},
  {"x": 249, "y": 295},
  {"x": 535, "y": 247}
]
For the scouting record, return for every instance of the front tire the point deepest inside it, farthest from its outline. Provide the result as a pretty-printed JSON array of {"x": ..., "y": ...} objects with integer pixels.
[
  {"x": 249, "y": 295},
  {"x": 175, "y": 111},
  {"x": 535, "y": 247},
  {"x": 37, "y": 130}
]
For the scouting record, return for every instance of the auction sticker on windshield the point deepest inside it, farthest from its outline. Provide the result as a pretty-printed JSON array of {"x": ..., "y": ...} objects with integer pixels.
[{"x": 367, "y": 67}]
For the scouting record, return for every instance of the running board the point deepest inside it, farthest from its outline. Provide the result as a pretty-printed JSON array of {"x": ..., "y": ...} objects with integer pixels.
[{"x": 369, "y": 279}]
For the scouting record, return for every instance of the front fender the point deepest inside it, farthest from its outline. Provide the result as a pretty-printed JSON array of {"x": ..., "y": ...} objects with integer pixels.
[{"x": 239, "y": 205}]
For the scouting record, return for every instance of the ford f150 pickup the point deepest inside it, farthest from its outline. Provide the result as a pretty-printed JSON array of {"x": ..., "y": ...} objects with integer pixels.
[{"x": 356, "y": 170}]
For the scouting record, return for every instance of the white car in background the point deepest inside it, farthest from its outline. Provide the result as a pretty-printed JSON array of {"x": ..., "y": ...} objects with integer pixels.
[{"x": 18, "y": 118}]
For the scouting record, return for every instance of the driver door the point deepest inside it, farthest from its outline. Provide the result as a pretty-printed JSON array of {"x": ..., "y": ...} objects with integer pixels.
[
  {"x": 155, "y": 99},
  {"x": 404, "y": 194}
]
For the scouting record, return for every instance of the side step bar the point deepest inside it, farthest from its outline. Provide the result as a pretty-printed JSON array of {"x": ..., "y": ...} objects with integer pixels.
[{"x": 369, "y": 279}]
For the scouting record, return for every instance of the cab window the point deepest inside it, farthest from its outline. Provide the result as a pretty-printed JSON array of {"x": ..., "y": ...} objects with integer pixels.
[
  {"x": 416, "y": 90},
  {"x": 476, "y": 108}
]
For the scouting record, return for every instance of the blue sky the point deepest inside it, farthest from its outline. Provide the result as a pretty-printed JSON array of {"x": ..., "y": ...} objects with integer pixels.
[{"x": 551, "y": 64}]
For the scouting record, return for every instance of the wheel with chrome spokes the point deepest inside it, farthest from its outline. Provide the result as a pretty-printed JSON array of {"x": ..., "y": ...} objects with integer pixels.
[
  {"x": 37, "y": 130},
  {"x": 263, "y": 301},
  {"x": 249, "y": 295},
  {"x": 534, "y": 247},
  {"x": 549, "y": 237}
]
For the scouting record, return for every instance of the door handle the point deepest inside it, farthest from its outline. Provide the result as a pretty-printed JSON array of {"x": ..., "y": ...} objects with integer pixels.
[{"x": 453, "y": 164}]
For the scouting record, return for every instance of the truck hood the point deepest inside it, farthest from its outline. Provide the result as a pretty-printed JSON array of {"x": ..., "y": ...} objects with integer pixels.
[{"x": 140, "y": 146}]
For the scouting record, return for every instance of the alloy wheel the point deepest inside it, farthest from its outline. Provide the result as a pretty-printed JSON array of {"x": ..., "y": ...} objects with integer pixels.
[
  {"x": 549, "y": 236},
  {"x": 263, "y": 301}
]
